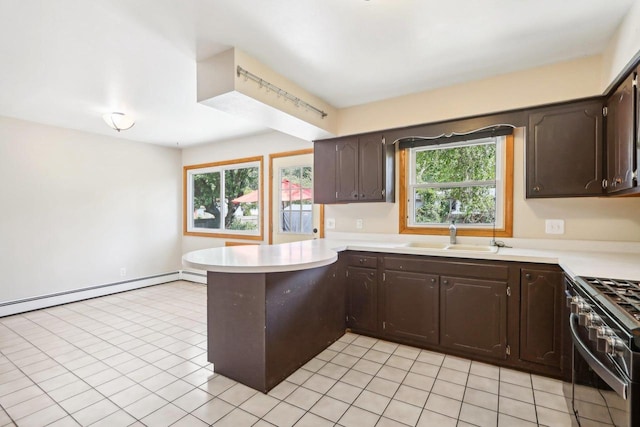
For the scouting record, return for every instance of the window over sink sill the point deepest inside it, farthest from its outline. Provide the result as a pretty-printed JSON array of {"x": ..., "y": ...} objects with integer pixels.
[
  {"x": 469, "y": 182},
  {"x": 224, "y": 199}
]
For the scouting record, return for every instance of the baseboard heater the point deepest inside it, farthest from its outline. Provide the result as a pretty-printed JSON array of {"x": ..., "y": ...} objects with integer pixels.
[{"x": 34, "y": 303}]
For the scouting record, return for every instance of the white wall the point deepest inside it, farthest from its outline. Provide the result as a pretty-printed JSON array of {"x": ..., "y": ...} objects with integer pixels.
[
  {"x": 258, "y": 145},
  {"x": 76, "y": 207}
]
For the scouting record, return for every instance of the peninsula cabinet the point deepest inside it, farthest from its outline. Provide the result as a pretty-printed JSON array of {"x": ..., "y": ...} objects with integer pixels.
[
  {"x": 542, "y": 315},
  {"x": 622, "y": 136},
  {"x": 564, "y": 150},
  {"x": 354, "y": 169}
]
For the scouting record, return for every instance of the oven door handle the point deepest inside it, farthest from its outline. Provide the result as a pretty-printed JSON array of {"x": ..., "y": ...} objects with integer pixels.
[{"x": 618, "y": 384}]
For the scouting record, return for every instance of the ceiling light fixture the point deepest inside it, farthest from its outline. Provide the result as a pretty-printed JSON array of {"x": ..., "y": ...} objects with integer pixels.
[
  {"x": 118, "y": 121},
  {"x": 280, "y": 92}
]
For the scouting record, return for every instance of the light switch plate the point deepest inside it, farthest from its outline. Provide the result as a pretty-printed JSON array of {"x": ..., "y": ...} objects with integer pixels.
[
  {"x": 554, "y": 226},
  {"x": 359, "y": 224},
  {"x": 330, "y": 223}
]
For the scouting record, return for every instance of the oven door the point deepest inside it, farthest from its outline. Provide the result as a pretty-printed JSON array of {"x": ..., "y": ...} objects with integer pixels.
[{"x": 600, "y": 389}]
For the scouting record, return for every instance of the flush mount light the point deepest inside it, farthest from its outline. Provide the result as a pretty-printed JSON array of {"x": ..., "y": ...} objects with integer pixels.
[{"x": 118, "y": 121}]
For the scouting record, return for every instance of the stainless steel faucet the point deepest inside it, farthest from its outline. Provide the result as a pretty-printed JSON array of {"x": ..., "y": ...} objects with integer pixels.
[{"x": 452, "y": 233}]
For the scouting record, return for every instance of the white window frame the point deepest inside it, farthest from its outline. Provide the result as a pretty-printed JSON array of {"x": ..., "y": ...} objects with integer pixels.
[
  {"x": 280, "y": 209},
  {"x": 221, "y": 167},
  {"x": 412, "y": 185}
]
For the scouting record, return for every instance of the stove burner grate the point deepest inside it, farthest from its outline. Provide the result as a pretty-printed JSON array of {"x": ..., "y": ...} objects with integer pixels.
[{"x": 623, "y": 293}]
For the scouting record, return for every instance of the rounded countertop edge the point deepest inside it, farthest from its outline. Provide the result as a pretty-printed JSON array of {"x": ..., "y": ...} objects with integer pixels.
[{"x": 281, "y": 268}]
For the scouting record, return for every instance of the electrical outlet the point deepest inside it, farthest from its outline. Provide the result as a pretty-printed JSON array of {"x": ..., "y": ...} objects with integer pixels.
[
  {"x": 554, "y": 226},
  {"x": 359, "y": 224},
  {"x": 330, "y": 223},
  {"x": 123, "y": 272}
]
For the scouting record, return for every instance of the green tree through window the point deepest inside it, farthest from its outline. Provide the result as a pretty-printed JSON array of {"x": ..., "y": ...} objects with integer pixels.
[
  {"x": 223, "y": 197},
  {"x": 455, "y": 182}
]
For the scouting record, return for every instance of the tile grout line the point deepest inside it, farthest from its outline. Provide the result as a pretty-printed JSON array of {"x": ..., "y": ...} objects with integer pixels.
[{"x": 90, "y": 354}]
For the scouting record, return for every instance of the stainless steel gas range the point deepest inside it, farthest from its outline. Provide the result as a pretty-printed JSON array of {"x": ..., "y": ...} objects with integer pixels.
[{"x": 605, "y": 331}]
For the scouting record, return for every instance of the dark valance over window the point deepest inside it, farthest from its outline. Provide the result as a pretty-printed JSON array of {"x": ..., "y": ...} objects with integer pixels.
[{"x": 486, "y": 132}]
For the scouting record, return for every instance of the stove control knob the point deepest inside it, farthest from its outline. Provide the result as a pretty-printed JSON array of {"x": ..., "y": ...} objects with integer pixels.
[
  {"x": 582, "y": 309},
  {"x": 593, "y": 323},
  {"x": 583, "y": 314},
  {"x": 569, "y": 300},
  {"x": 576, "y": 304},
  {"x": 614, "y": 346},
  {"x": 602, "y": 334}
]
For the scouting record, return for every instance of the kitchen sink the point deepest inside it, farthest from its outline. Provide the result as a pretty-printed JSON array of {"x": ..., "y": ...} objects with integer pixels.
[
  {"x": 472, "y": 248},
  {"x": 435, "y": 246},
  {"x": 427, "y": 245}
]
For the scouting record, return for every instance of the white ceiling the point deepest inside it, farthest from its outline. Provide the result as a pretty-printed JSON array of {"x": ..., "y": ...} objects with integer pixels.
[{"x": 66, "y": 62}]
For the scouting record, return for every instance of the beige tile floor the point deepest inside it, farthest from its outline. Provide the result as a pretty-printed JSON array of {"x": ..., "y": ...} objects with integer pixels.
[{"x": 139, "y": 358}]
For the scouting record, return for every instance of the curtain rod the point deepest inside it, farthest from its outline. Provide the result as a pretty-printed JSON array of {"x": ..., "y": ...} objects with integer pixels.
[{"x": 280, "y": 92}]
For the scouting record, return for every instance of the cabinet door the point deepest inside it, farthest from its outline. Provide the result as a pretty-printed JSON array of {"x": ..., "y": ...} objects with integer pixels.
[
  {"x": 473, "y": 316},
  {"x": 362, "y": 299},
  {"x": 564, "y": 151},
  {"x": 371, "y": 174},
  {"x": 346, "y": 170},
  {"x": 410, "y": 302},
  {"x": 324, "y": 172},
  {"x": 620, "y": 137},
  {"x": 541, "y": 316}
]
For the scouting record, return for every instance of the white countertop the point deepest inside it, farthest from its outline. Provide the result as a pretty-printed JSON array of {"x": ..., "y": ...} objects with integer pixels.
[
  {"x": 597, "y": 259},
  {"x": 262, "y": 258}
]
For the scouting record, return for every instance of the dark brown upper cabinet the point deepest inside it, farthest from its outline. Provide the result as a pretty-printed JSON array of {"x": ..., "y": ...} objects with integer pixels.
[
  {"x": 324, "y": 172},
  {"x": 621, "y": 110},
  {"x": 354, "y": 169},
  {"x": 564, "y": 150}
]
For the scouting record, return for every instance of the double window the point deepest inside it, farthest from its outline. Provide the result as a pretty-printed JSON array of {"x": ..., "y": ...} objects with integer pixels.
[
  {"x": 465, "y": 182},
  {"x": 224, "y": 199}
]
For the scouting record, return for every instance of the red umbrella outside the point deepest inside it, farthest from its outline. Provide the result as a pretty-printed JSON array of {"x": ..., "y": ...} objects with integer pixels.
[{"x": 290, "y": 191}]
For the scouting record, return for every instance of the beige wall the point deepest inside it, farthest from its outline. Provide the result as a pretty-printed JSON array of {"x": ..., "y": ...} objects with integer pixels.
[
  {"x": 622, "y": 47},
  {"x": 553, "y": 83},
  {"x": 76, "y": 207}
]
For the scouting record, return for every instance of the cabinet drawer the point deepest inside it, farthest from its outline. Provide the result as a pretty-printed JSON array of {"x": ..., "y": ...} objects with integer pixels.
[
  {"x": 362, "y": 260},
  {"x": 415, "y": 264},
  {"x": 420, "y": 264}
]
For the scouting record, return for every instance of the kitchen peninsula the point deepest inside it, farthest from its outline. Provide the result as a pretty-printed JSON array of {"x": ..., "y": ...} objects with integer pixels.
[
  {"x": 269, "y": 308},
  {"x": 273, "y": 308}
]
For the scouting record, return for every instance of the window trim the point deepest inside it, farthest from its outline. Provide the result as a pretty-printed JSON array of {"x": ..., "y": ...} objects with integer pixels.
[
  {"x": 281, "y": 211},
  {"x": 227, "y": 233},
  {"x": 505, "y": 231},
  {"x": 287, "y": 154}
]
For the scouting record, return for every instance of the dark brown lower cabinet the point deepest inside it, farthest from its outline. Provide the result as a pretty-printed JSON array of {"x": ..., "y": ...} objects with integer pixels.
[
  {"x": 508, "y": 313},
  {"x": 362, "y": 298},
  {"x": 410, "y": 306},
  {"x": 473, "y": 316},
  {"x": 541, "y": 316}
]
